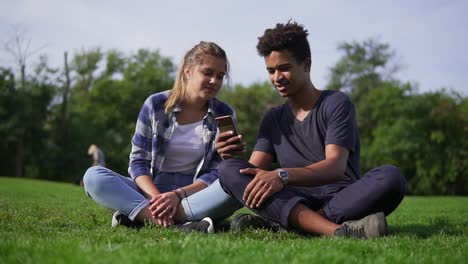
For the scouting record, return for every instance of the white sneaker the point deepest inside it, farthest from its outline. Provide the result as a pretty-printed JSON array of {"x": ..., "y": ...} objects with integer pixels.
[
  {"x": 118, "y": 218},
  {"x": 204, "y": 226}
]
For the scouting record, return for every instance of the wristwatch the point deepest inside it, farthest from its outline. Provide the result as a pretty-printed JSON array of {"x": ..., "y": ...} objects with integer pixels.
[{"x": 283, "y": 175}]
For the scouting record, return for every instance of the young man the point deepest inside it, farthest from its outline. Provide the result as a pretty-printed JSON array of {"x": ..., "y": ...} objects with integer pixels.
[{"x": 314, "y": 137}]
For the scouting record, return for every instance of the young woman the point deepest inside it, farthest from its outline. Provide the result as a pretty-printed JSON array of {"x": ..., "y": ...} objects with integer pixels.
[{"x": 173, "y": 163}]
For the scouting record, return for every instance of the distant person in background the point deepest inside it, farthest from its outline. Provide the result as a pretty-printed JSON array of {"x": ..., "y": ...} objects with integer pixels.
[
  {"x": 173, "y": 163},
  {"x": 98, "y": 156},
  {"x": 98, "y": 160}
]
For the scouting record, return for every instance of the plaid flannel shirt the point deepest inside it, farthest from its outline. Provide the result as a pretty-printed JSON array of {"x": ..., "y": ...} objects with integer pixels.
[{"x": 153, "y": 132}]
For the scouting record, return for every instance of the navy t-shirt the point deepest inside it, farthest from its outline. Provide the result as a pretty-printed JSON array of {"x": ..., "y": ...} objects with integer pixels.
[{"x": 295, "y": 143}]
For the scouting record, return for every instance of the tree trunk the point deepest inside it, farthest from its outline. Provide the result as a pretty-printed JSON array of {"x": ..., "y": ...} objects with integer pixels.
[
  {"x": 19, "y": 156},
  {"x": 19, "y": 162},
  {"x": 64, "y": 126},
  {"x": 23, "y": 75}
]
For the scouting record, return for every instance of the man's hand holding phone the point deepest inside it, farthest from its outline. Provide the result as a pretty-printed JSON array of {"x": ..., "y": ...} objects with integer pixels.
[{"x": 229, "y": 142}]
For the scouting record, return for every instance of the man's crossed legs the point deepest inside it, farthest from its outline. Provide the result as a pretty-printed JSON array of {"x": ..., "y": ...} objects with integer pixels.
[{"x": 329, "y": 209}]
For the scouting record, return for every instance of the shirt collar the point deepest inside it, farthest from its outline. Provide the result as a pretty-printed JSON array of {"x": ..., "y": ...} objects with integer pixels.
[{"x": 177, "y": 107}]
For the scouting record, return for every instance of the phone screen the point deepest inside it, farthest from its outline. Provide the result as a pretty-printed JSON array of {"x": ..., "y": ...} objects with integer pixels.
[{"x": 225, "y": 123}]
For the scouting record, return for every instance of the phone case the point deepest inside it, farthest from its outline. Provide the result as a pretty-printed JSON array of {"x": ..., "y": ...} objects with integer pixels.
[{"x": 226, "y": 123}]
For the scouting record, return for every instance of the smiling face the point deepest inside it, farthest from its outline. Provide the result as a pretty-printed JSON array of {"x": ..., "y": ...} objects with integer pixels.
[
  {"x": 287, "y": 75},
  {"x": 205, "y": 80}
]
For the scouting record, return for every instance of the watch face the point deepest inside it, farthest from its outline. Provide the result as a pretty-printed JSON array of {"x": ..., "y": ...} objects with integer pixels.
[{"x": 283, "y": 175}]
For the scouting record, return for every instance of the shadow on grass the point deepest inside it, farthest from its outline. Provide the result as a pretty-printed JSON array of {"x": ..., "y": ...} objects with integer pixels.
[{"x": 437, "y": 226}]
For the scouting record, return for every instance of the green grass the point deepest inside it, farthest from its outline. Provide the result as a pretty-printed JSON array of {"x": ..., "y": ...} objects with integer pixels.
[{"x": 47, "y": 222}]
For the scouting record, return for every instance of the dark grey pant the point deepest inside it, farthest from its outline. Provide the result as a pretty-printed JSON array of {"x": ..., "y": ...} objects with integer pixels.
[{"x": 380, "y": 190}]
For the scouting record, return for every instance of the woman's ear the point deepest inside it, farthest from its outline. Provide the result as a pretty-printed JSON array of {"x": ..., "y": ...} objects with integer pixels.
[{"x": 187, "y": 73}]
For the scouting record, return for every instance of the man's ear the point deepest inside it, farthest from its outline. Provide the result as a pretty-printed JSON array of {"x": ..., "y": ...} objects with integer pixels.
[{"x": 307, "y": 64}]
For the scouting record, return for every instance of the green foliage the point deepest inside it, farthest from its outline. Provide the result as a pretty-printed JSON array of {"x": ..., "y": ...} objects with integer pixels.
[
  {"x": 8, "y": 97},
  {"x": 363, "y": 67},
  {"x": 85, "y": 63},
  {"x": 24, "y": 111},
  {"x": 423, "y": 134},
  {"x": 45, "y": 222},
  {"x": 106, "y": 114}
]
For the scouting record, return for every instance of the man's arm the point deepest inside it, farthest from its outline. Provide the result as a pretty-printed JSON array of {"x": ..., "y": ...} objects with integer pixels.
[
  {"x": 261, "y": 160},
  {"x": 265, "y": 183},
  {"x": 329, "y": 170}
]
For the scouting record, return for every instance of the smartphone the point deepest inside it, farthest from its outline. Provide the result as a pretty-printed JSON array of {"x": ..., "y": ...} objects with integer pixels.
[{"x": 225, "y": 123}]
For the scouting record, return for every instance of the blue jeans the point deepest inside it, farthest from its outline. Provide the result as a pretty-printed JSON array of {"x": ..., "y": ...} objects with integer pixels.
[{"x": 120, "y": 193}]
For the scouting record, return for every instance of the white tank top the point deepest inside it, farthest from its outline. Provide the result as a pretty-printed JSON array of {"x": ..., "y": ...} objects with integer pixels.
[{"x": 186, "y": 148}]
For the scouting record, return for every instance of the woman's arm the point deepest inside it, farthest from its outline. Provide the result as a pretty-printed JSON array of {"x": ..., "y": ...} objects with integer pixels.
[
  {"x": 193, "y": 188},
  {"x": 164, "y": 206},
  {"x": 141, "y": 155},
  {"x": 146, "y": 184}
]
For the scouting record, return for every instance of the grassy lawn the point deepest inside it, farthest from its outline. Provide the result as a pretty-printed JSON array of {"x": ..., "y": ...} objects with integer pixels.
[{"x": 47, "y": 222}]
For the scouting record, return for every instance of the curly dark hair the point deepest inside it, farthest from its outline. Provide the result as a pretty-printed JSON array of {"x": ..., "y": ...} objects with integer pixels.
[{"x": 290, "y": 36}]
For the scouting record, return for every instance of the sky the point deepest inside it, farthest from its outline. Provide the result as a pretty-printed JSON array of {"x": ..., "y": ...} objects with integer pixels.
[{"x": 430, "y": 38}]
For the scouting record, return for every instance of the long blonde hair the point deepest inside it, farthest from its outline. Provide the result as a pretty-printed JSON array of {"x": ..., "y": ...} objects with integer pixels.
[{"x": 194, "y": 56}]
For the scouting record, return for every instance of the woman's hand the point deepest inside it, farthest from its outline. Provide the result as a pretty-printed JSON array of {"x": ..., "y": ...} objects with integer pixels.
[
  {"x": 228, "y": 145},
  {"x": 164, "y": 206},
  {"x": 165, "y": 221}
]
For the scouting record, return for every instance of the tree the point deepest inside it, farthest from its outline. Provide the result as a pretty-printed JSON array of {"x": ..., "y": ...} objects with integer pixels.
[
  {"x": 423, "y": 134},
  {"x": 105, "y": 113},
  {"x": 363, "y": 67},
  {"x": 19, "y": 46},
  {"x": 84, "y": 64},
  {"x": 64, "y": 113},
  {"x": 120, "y": 100},
  {"x": 8, "y": 97}
]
